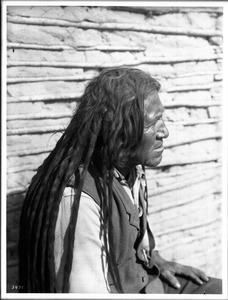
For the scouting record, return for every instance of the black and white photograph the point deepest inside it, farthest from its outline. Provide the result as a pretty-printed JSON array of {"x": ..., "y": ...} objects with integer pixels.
[{"x": 114, "y": 150}]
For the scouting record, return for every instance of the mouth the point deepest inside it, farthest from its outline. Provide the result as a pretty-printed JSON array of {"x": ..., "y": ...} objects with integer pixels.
[{"x": 159, "y": 147}]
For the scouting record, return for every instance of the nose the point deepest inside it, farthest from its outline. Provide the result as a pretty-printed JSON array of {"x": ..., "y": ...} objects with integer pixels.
[{"x": 163, "y": 131}]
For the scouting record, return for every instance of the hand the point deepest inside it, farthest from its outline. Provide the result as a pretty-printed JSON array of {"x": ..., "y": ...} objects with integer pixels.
[{"x": 168, "y": 270}]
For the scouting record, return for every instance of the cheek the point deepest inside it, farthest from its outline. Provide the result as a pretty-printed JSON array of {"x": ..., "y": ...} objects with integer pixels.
[
  {"x": 145, "y": 149},
  {"x": 148, "y": 141}
]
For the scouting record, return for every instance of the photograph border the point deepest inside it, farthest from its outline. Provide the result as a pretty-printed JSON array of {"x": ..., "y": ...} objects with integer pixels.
[{"x": 5, "y": 4}]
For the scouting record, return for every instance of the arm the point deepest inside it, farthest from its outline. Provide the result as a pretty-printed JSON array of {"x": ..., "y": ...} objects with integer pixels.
[{"x": 88, "y": 274}]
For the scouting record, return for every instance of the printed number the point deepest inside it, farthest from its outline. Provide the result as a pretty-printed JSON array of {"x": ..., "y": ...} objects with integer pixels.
[{"x": 17, "y": 287}]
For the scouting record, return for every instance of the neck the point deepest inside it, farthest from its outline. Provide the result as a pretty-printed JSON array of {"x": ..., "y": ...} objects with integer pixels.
[{"x": 124, "y": 170}]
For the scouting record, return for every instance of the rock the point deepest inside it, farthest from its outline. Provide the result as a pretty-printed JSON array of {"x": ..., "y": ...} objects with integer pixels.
[
  {"x": 170, "y": 20},
  {"x": 46, "y": 88},
  {"x": 42, "y": 72},
  {"x": 161, "y": 70},
  {"x": 193, "y": 96},
  {"x": 44, "y": 55},
  {"x": 21, "y": 180},
  {"x": 20, "y": 33},
  {"x": 219, "y": 23},
  {"x": 216, "y": 40},
  {"x": 201, "y": 20},
  {"x": 16, "y": 143},
  {"x": 191, "y": 80},
  {"x": 215, "y": 112},
  {"x": 17, "y": 124}
]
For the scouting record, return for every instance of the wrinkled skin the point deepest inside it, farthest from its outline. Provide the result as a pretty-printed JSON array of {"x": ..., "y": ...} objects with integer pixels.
[
  {"x": 149, "y": 153},
  {"x": 168, "y": 270}
]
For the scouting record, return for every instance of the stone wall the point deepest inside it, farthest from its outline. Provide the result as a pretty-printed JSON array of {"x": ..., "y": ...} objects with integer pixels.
[{"x": 54, "y": 51}]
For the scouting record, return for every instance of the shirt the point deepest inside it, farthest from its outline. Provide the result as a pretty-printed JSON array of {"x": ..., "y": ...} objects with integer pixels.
[{"x": 89, "y": 266}]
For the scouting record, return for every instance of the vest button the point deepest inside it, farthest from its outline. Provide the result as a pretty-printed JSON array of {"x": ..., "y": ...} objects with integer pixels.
[{"x": 143, "y": 278}]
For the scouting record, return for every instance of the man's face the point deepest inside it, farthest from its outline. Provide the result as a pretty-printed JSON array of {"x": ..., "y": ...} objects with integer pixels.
[{"x": 149, "y": 151}]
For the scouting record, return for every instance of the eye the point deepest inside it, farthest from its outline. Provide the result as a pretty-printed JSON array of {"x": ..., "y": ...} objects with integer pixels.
[
  {"x": 160, "y": 119},
  {"x": 153, "y": 124},
  {"x": 148, "y": 127}
]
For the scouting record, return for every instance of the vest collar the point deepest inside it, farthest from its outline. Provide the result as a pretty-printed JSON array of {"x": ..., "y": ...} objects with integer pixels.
[{"x": 130, "y": 208}]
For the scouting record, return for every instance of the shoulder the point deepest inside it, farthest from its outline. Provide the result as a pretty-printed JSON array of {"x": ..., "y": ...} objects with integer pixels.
[
  {"x": 87, "y": 203},
  {"x": 91, "y": 186}
]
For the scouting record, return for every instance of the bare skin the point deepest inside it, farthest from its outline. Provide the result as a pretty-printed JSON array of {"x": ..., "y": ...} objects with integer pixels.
[
  {"x": 169, "y": 269},
  {"x": 149, "y": 153}
]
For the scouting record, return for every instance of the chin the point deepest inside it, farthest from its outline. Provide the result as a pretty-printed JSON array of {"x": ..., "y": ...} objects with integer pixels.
[{"x": 153, "y": 162}]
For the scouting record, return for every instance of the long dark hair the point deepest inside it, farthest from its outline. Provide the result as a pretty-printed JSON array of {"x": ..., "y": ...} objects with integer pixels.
[{"x": 108, "y": 122}]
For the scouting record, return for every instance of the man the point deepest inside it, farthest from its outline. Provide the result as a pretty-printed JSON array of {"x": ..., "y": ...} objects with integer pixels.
[{"x": 84, "y": 222}]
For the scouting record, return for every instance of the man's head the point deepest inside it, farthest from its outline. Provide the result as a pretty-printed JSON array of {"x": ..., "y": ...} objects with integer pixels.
[
  {"x": 150, "y": 148},
  {"x": 118, "y": 121},
  {"x": 132, "y": 128}
]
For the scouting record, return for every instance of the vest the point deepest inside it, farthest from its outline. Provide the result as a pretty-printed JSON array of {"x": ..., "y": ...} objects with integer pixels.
[{"x": 126, "y": 228}]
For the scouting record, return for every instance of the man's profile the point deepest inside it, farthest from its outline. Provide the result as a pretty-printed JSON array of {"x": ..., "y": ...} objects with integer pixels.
[{"x": 84, "y": 226}]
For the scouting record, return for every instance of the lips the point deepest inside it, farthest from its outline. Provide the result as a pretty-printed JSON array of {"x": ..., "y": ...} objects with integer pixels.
[
  {"x": 159, "y": 146},
  {"x": 159, "y": 150}
]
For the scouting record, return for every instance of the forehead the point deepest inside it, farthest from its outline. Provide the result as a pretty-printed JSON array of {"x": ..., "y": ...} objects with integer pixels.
[{"x": 152, "y": 106}]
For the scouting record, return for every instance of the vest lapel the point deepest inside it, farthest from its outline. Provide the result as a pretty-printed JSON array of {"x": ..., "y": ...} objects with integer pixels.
[{"x": 126, "y": 201}]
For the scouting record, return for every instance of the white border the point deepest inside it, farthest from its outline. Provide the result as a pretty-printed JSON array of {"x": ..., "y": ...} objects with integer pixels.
[
  {"x": 225, "y": 152},
  {"x": 118, "y": 3},
  {"x": 3, "y": 155},
  {"x": 5, "y": 295}
]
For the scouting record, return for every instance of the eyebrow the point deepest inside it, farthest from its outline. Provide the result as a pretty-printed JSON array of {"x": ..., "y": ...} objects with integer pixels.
[
  {"x": 150, "y": 121},
  {"x": 159, "y": 114}
]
